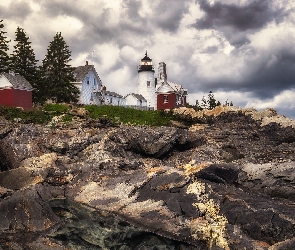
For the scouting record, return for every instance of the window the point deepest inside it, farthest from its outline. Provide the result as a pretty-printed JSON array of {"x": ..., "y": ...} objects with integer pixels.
[
  {"x": 111, "y": 101},
  {"x": 165, "y": 98},
  {"x": 148, "y": 83},
  {"x": 94, "y": 82},
  {"x": 178, "y": 100},
  {"x": 87, "y": 80}
]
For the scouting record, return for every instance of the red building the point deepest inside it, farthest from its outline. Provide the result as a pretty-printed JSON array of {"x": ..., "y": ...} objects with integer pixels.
[
  {"x": 170, "y": 95},
  {"x": 15, "y": 91}
]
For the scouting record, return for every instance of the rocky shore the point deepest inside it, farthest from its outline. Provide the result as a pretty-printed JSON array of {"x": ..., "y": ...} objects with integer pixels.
[{"x": 220, "y": 179}]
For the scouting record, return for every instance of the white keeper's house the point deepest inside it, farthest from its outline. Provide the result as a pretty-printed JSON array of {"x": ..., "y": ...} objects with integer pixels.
[{"x": 91, "y": 89}]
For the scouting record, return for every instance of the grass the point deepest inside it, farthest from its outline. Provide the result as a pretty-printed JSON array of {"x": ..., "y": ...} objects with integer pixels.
[
  {"x": 130, "y": 116},
  {"x": 25, "y": 116},
  {"x": 40, "y": 115},
  {"x": 56, "y": 107},
  {"x": 43, "y": 115}
]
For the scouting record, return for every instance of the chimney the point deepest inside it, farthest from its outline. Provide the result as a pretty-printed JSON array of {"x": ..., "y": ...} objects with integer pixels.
[{"x": 86, "y": 63}]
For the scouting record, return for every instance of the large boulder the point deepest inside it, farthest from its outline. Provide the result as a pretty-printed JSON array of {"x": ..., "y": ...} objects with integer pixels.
[{"x": 157, "y": 142}]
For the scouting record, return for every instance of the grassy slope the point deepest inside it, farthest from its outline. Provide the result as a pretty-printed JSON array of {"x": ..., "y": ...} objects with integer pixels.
[
  {"x": 129, "y": 115},
  {"x": 43, "y": 115}
]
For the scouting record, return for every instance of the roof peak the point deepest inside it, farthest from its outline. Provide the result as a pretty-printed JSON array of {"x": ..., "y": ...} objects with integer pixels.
[{"x": 146, "y": 57}]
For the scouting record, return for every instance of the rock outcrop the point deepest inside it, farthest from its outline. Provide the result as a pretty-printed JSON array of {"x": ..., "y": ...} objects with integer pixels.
[{"x": 226, "y": 182}]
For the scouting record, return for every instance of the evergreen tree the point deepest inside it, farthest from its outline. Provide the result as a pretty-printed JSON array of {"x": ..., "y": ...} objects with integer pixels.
[
  {"x": 4, "y": 58},
  {"x": 211, "y": 101},
  {"x": 23, "y": 60},
  {"x": 197, "y": 107},
  {"x": 204, "y": 102},
  {"x": 207, "y": 103},
  {"x": 39, "y": 92},
  {"x": 58, "y": 73}
]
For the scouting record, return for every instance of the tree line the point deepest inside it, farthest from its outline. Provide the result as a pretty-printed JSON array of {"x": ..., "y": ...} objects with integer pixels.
[
  {"x": 208, "y": 102},
  {"x": 50, "y": 80}
]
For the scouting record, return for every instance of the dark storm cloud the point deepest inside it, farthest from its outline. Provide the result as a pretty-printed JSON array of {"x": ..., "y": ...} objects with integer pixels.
[
  {"x": 168, "y": 14},
  {"x": 165, "y": 15},
  {"x": 264, "y": 73},
  {"x": 55, "y": 8},
  {"x": 133, "y": 23},
  {"x": 95, "y": 28},
  {"x": 17, "y": 10},
  {"x": 262, "y": 78},
  {"x": 255, "y": 15},
  {"x": 236, "y": 39},
  {"x": 132, "y": 9},
  {"x": 270, "y": 80}
]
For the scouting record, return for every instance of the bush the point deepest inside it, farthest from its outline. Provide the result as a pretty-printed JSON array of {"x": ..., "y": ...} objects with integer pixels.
[
  {"x": 29, "y": 116},
  {"x": 67, "y": 118},
  {"x": 59, "y": 108}
]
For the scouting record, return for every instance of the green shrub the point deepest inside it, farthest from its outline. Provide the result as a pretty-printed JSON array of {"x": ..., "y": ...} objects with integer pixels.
[
  {"x": 59, "y": 108},
  {"x": 67, "y": 118},
  {"x": 25, "y": 116}
]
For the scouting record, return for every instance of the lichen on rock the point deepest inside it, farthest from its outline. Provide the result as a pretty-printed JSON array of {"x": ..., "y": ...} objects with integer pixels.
[{"x": 211, "y": 226}]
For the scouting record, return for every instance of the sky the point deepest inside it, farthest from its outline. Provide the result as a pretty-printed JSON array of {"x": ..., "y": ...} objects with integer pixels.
[{"x": 241, "y": 50}]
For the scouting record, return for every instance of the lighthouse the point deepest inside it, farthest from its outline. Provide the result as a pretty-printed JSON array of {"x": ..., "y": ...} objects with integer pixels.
[{"x": 146, "y": 81}]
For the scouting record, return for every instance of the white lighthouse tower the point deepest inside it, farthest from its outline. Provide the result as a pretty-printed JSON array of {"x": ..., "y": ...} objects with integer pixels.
[{"x": 146, "y": 81}]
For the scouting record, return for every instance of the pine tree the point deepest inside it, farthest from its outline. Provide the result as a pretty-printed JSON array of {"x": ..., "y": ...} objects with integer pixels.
[
  {"x": 58, "y": 73},
  {"x": 39, "y": 92},
  {"x": 204, "y": 103},
  {"x": 23, "y": 60},
  {"x": 197, "y": 107},
  {"x": 211, "y": 101},
  {"x": 4, "y": 58}
]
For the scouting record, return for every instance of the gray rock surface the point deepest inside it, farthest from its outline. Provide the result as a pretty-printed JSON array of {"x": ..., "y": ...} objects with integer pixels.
[{"x": 226, "y": 182}]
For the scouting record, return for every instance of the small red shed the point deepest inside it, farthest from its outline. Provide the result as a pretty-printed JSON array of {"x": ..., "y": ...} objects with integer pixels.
[
  {"x": 170, "y": 95},
  {"x": 15, "y": 91}
]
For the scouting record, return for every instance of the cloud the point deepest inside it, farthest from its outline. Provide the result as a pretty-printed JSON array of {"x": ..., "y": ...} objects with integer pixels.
[
  {"x": 254, "y": 15},
  {"x": 236, "y": 20},
  {"x": 283, "y": 102},
  {"x": 169, "y": 14},
  {"x": 17, "y": 10},
  {"x": 210, "y": 49}
]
